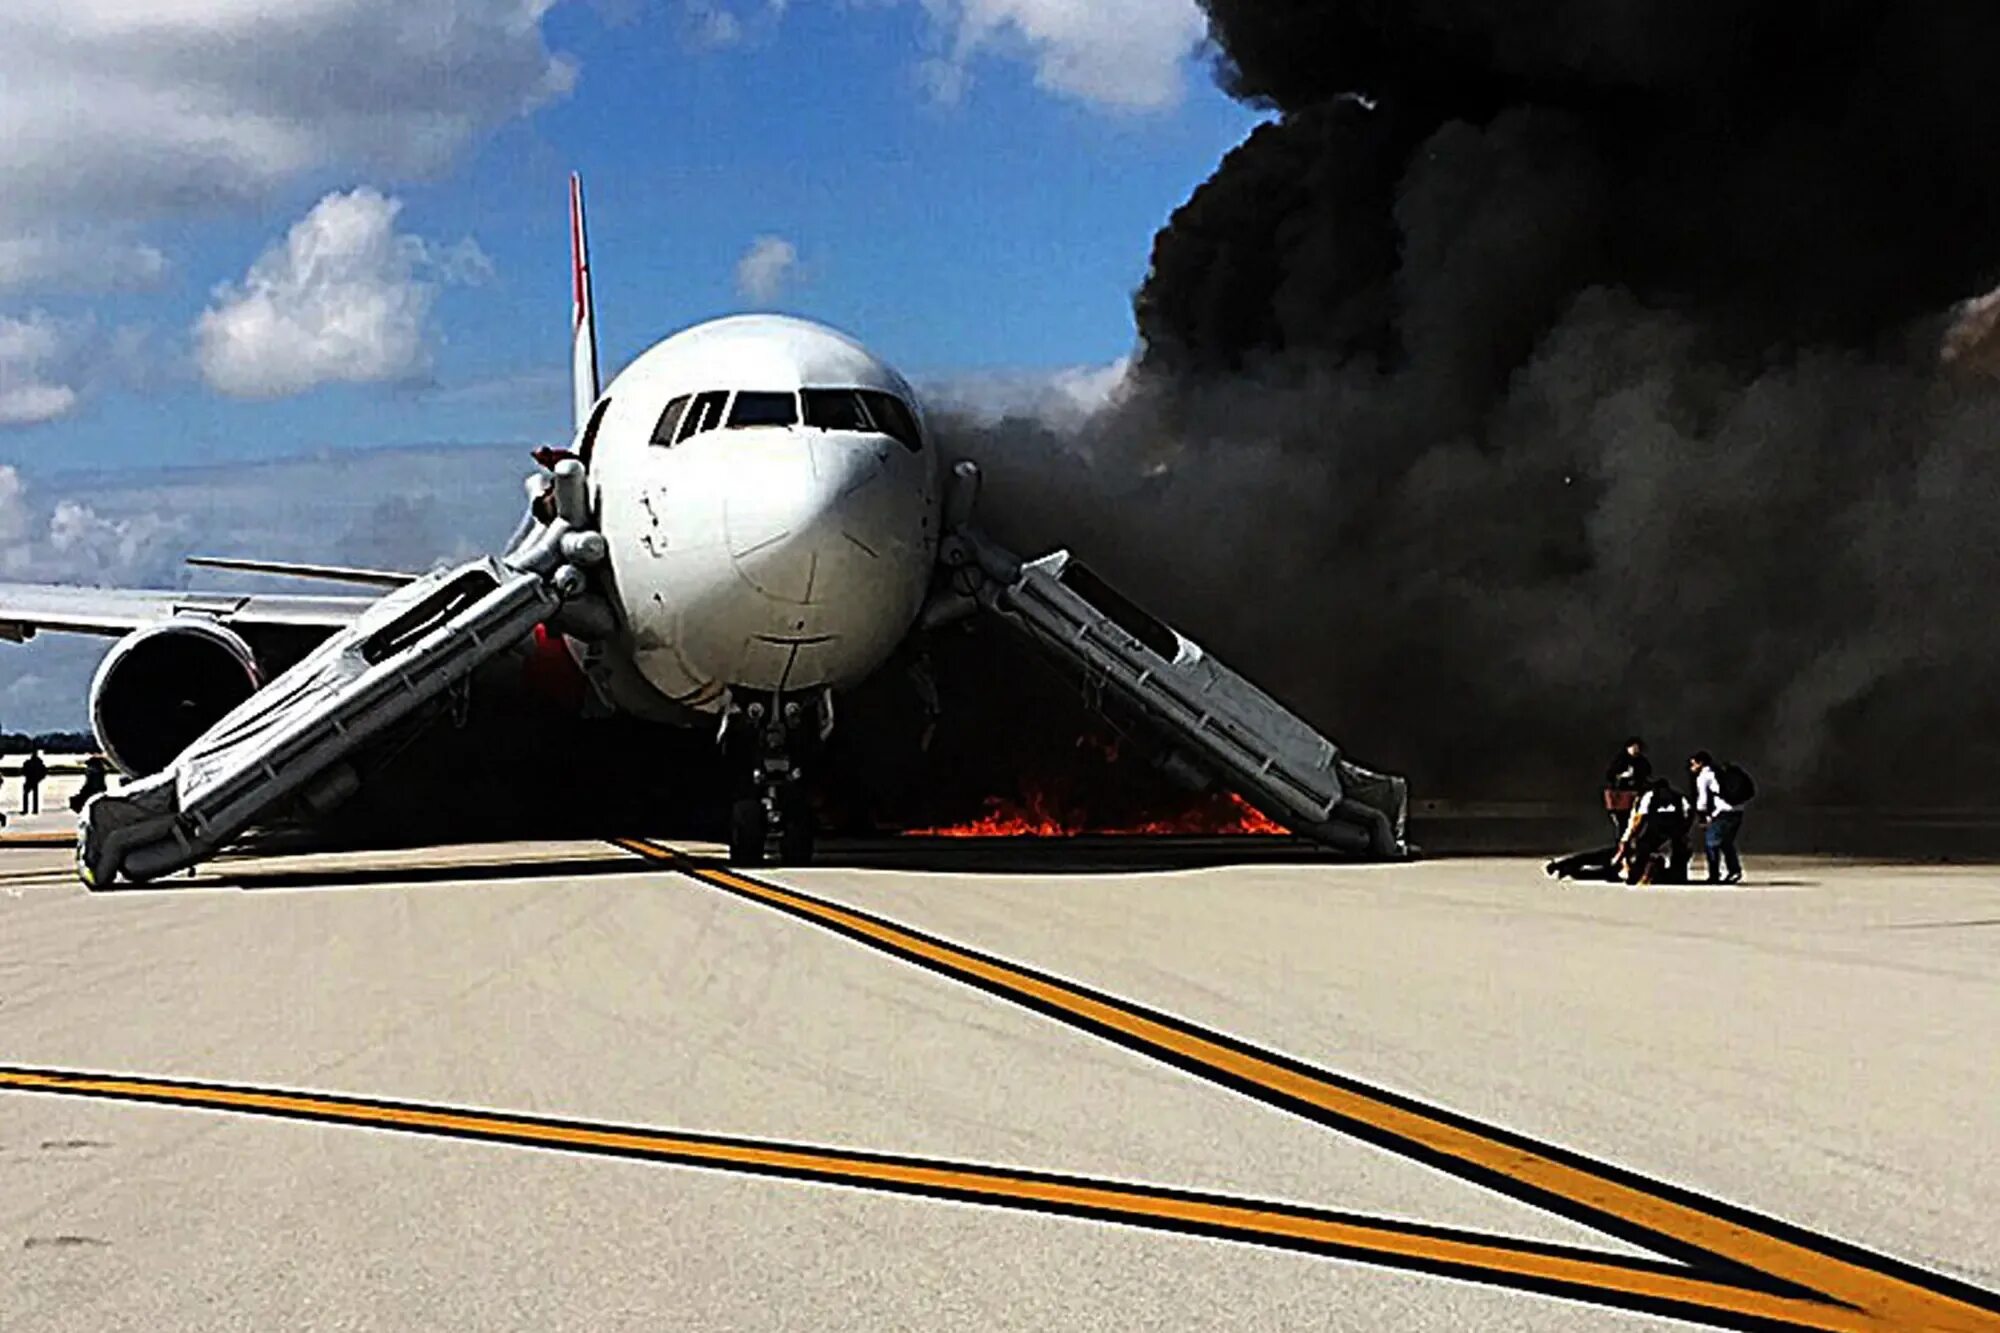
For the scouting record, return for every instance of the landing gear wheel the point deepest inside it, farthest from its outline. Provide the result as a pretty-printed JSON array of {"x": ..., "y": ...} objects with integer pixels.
[{"x": 747, "y": 828}]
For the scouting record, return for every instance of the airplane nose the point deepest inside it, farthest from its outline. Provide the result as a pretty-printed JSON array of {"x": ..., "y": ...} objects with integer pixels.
[{"x": 800, "y": 504}]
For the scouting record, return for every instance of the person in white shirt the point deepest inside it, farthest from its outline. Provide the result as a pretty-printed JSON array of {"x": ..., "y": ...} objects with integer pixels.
[{"x": 1724, "y": 820}]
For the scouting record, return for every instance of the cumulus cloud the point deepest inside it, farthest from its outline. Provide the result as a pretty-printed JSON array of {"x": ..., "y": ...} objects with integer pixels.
[
  {"x": 70, "y": 542},
  {"x": 1126, "y": 54},
  {"x": 78, "y": 261},
  {"x": 118, "y": 114},
  {"x": 345, "y": 298},
  {"x": 36, "y": 353},
  {"x": 769, "y": 266}
]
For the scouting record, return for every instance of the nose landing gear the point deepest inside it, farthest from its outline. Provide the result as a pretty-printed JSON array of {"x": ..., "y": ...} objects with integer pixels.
[{"x": 774, "y": 825}]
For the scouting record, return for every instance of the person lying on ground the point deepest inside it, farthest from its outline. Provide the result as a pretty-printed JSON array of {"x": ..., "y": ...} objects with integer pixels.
[{"x": 1599, "y": 863}]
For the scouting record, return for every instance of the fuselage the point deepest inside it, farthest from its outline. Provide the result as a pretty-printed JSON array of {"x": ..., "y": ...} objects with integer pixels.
[{"x": 771, "y": 505}]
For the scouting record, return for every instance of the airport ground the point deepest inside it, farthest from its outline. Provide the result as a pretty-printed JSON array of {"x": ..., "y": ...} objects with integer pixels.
[{"x": 577, "y": 1085}]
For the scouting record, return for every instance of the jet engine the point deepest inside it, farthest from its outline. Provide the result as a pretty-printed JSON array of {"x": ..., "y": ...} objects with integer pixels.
[{"x": 161, "y": 687}]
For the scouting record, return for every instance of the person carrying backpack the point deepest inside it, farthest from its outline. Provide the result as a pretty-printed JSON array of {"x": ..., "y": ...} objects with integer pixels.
[{"x": 1719, "y": 798}]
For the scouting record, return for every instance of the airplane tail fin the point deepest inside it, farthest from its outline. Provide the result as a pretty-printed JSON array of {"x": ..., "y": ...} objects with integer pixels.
[{"x": 583, "y": 311}]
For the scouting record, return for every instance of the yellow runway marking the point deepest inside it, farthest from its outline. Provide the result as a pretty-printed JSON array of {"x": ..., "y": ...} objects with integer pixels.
[
  {"x": 1552, "y": 1268},
  {"x": 1807, "y": 1281},
  {"x": 65, "y": 840}
]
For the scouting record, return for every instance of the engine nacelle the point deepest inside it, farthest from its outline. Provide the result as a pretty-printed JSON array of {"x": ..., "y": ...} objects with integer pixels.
[{"x": 161, "y": 687}]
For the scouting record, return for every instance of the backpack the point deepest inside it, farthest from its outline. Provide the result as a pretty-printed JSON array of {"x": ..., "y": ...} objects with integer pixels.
[{"x": 1736, "y": 786}]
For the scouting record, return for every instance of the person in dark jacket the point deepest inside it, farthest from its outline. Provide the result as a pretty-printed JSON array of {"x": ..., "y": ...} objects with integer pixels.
[
  {"x": 96, "y": 775},
  {"x": 1655, "y": 848},
  {"x": 1629, "y": 774},
  {"x": 32, "y": 773}
]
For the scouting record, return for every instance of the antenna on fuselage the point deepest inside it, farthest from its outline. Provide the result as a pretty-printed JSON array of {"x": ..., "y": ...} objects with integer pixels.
[{"x": 583, "y": 312}]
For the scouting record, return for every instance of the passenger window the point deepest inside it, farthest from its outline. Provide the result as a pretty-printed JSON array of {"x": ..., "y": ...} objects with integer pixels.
[
  {"x": 670, "y": 419},
  {"x": 835, "y": 409},
  {"x": 704, "y": 414},
  {"x": 894, "y": 419},
  {"x": 763, "y": 409}
]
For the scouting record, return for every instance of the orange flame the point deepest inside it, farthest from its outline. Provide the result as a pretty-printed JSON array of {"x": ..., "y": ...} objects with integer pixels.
[{"x": 1038, "y": 816}]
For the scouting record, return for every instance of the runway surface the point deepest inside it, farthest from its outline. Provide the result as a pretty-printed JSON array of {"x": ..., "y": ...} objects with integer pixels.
[{"x": 588, "y": 1086}]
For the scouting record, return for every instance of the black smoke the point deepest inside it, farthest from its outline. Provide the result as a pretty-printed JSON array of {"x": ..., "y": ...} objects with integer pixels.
[{"x": 1542, "y": 372}]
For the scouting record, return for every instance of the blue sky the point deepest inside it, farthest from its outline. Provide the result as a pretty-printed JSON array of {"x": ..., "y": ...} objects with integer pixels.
[{"x": 969, "y": 185}]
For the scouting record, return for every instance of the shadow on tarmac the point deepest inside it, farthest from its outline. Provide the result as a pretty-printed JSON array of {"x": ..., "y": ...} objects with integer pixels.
[{"x": 378, "y": 876}]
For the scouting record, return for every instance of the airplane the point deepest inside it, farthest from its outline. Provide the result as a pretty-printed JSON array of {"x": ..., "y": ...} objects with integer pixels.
[{"x": 749, "y": 520}]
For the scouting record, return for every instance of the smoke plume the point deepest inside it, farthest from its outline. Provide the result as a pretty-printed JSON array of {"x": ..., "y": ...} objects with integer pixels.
[{"x": 1546, "y": 372}]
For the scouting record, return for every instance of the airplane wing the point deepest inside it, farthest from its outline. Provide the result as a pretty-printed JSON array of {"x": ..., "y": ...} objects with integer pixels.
[
  {"x": 26, "y": 608},
  {"x": 372, "y": 578}
]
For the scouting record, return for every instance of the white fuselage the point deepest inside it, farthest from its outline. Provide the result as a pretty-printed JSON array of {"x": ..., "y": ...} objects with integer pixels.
[{"x": 759, "y": 558}]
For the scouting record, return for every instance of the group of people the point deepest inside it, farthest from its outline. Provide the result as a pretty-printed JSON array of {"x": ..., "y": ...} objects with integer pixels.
[
  {"x": 35, "y": 771},
  {"x": 1655, "y": 822}
]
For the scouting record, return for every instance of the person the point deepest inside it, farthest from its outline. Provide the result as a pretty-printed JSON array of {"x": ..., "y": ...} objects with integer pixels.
[
  {"x": 1627, "y": 776},
  {"x": 1655, "y": 847},
  {"x": 1599, "y": 863},
  {"x": 1723, "y": 817},
  {"x": 32, "y": 774},
  {"x": 95, "y": 772}
]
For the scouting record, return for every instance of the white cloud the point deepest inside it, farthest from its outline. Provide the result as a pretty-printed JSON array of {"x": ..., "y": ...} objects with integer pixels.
[
  {"x": 766, "y": 269},
  {"x": 118, "y": 112},
  {"x": 1125, "y": 54},
  {"x": 78, "y": 261},
  {"x": 73, "y": 543},
  {"x": 710, "y": 27},
  {"x": 344, "y": 298},
  {"x": 35, "y": 363}
]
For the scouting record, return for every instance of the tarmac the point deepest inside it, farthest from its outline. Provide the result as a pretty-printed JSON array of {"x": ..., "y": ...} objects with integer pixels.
[{"x": 1132, "y": 1086}]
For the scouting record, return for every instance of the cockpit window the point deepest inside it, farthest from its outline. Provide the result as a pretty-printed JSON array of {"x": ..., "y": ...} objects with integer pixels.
[
  {"x": 670, "y": 419},
  {"x": 704, "y": 414},
  {"x": 863, "y": 410},
  {"x": 763, "y": 409},
  {"x": 894, "y": 419},
  {"x": 835, "y": 409}
]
